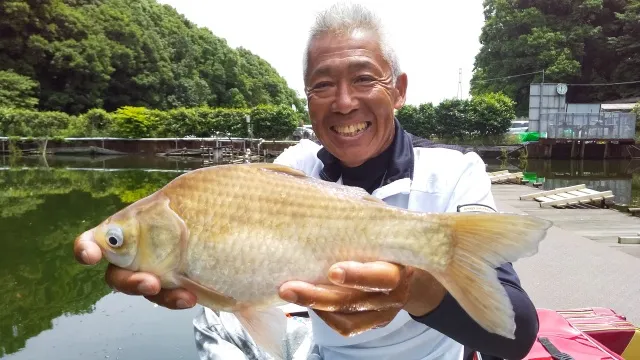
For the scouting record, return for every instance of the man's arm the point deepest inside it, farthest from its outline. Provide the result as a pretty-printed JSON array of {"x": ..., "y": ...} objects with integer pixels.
[{"x": 474, "y": 187}]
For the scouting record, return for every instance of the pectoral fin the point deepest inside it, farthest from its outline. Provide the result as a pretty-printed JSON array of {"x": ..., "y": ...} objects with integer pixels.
[{"x": 267, "y": 327}]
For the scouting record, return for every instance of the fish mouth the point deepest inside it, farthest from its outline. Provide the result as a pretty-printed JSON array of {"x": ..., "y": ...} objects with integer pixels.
[{"x": 351, "y": 130}]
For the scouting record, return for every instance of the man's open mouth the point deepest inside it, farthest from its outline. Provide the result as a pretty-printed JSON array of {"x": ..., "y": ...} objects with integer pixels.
[{"x": 351, "y": 130}]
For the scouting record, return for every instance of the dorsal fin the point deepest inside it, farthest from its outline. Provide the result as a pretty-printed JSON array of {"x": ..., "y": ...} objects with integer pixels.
[{"x": 350, "y": 191}]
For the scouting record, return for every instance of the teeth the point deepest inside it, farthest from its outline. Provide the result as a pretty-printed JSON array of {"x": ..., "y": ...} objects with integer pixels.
[{"x": 350, "y": 130}]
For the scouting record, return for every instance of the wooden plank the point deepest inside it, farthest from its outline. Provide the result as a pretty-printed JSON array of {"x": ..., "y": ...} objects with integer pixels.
[
  {"x": 590, "y": 191},
  {"x": 581, "y": 199},
  {"x": 507, "y": 176},
  {"x": 551, "y": 192},
  {"x": 498, "y": 172},
  {"x": 629, "y": 240}
]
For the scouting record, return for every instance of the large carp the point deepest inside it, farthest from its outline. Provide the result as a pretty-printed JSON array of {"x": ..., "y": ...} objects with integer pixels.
[{"x": 233, "y": 234}]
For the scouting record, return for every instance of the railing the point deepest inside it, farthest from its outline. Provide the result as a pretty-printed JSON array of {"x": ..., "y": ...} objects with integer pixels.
[{"x": 613, "y": 126}]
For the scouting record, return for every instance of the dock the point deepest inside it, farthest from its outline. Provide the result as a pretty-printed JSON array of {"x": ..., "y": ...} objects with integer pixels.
[
  {"x": 610, "y": 227},
  {"x": 571, "y": 271}
]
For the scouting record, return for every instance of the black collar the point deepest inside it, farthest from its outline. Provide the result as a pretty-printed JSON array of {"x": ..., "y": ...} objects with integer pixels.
[{"x": 395, "y": 163}]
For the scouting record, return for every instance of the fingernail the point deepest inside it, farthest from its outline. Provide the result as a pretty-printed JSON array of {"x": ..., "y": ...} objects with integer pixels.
[
  {"x": 182, "y": 304},
  {"x": 337, "y": 275},
  {"x": 289, "y": 296},
  {"x": 145, "y": 288}
]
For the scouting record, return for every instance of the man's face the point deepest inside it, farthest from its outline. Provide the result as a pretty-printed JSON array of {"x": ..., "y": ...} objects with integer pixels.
[{"x": 351, "y": 96}]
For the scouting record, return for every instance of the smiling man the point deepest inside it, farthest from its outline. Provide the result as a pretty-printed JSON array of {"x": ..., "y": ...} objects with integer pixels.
[{"x": 377, "y": 310}]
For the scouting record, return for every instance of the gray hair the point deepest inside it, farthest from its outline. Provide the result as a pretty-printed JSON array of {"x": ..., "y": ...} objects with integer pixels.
[{"x": 345, "y": 18}]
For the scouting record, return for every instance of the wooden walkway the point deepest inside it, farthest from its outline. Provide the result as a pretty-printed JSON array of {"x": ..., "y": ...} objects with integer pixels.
[{"x": 600, "y": 225}]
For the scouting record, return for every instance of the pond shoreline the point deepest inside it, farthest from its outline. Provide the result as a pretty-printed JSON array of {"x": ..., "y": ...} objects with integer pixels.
[{"x": 198, "y": 147}]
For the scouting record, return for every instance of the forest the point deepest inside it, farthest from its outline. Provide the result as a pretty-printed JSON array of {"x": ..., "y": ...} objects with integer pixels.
[
  {"x": 76, "y": 55},
  {"x": 575, "y": 42}
]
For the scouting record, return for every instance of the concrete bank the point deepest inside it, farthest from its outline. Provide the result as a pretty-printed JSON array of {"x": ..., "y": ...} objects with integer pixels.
[
  {"x": 571, "y": 271},
  {"x": 90, "y": 146}
]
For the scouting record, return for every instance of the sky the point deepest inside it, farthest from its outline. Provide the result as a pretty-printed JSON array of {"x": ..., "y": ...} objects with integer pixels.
[{"x": 433, "y": 39}]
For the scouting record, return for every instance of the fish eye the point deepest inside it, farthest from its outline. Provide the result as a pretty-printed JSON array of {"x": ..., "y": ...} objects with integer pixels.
[{"x": 114, "y": 237}]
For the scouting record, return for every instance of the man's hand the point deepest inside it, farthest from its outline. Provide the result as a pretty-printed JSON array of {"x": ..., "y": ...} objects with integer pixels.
[
  {"x": 134, "y": 283},
  {"x": 366, "y": 296}
]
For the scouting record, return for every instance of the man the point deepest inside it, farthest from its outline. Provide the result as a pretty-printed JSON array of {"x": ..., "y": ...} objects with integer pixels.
[{"x": 354, "y": 84}]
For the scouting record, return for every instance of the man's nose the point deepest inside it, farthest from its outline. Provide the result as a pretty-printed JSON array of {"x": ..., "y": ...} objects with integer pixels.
[{"x": 345, "y": 101}]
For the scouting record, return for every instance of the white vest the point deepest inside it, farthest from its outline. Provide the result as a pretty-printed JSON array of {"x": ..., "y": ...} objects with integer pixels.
[{"x": 442, "y": 180}]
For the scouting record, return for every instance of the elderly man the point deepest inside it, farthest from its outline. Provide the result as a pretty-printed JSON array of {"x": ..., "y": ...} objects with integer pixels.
[{"x": 353, "y": 84}]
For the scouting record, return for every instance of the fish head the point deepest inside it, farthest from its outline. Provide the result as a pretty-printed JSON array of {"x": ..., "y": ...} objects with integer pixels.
[
  {"x": 145, "y": 236},
  {"x": 117, "y": 237}
]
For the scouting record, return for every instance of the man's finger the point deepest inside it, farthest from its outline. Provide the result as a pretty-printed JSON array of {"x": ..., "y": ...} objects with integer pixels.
[
  {"x": 373, "y": 276},
  {"x": 356, "y": 323},
  {"x": 340, "y": 299},
  {"x": 131, "y": 283},
  {"x": 86, "y": 252},
  {"x": 174, "y": 299}
]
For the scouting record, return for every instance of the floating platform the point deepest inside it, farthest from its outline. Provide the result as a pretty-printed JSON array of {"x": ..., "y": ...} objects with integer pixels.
[
  {"x": 505, "y": 177},
  {"x": 569, "y": 196}
]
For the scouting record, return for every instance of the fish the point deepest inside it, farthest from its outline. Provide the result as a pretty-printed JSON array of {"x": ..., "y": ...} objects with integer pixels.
[{"x": 232, "y": 234}]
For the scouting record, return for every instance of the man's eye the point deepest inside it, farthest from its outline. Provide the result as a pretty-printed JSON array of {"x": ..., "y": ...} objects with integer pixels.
[
  {"x": 364, "y": 78},
  {"x": 321, "y": 85}
]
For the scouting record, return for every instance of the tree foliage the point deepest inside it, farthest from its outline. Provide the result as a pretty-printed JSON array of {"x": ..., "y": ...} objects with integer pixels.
[
  {"x": 585, "y": 42},
  {"x": 108, "y": 54},
  {"x": 17, "y": 91},
  {"x": 487, "y": 115}
]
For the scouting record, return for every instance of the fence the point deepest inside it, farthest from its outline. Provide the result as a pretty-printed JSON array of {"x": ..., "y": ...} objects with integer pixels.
[{"x": 608, "y": 125}]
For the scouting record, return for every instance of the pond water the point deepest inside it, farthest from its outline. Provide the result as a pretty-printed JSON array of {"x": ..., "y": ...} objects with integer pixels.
[{"x": 53, "y": 308}]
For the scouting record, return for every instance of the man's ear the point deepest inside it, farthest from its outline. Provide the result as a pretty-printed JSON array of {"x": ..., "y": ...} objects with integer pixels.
[{"x": 401, "y": 91}]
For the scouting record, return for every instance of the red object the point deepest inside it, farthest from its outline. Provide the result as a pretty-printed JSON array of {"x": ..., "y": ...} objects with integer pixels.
[
  {"x": 567, "y": 339},
  {"x": 608, "y": 327}
]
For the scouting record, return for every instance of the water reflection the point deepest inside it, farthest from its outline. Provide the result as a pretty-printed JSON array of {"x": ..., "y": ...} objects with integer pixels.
[
  {"x": 42, "y": 209},
  {"x": 622, "y": 177}
]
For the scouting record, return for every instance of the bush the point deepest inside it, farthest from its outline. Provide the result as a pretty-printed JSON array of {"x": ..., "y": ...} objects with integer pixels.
[
  {"x": 268, "y": 121},
  {"x": 488, "y": 116},
  {"x": 29, "y": 123},
  {"x": 272, "y": 122},
  {"x": 491, "y": 114}
]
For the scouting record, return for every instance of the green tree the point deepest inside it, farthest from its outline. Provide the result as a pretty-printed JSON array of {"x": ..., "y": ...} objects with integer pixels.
[
  {"x": 491, "y": 114},
  {"x": 573, "y": 41}
]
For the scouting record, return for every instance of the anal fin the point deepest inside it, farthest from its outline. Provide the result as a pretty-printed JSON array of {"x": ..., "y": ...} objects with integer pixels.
[
  {"x": 267, "y": 328},
  {"x": 206, "y": 296}
]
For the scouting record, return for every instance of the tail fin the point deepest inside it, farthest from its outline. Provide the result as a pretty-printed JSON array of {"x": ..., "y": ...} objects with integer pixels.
[{"x": 483, "y": 242}]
